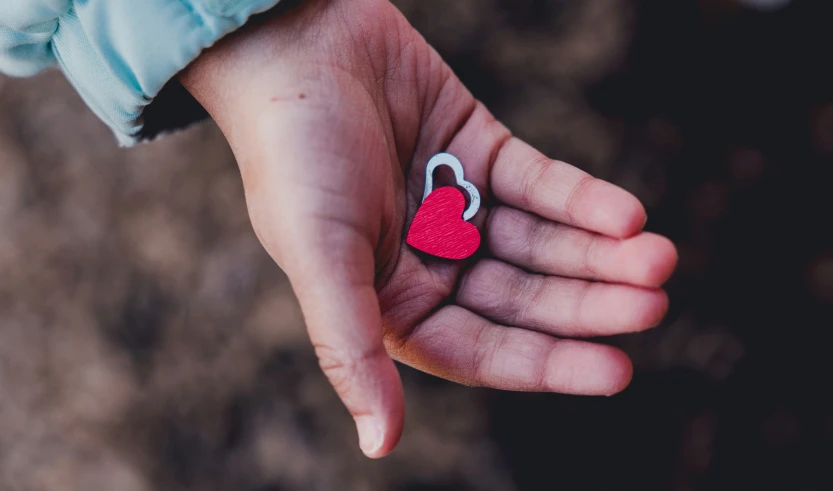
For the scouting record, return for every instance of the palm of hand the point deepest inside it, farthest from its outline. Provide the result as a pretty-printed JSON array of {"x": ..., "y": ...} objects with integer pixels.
[{"x": 351, "y": 107}]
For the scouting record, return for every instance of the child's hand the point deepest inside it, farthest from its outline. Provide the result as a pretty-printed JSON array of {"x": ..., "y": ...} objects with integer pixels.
[{"x": 333, "y": 111}]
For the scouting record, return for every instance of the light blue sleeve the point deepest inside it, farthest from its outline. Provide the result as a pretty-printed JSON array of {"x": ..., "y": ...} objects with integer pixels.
[{"x": 117, "y": 53}]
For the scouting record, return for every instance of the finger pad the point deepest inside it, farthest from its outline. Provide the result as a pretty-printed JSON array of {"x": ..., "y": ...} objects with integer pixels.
[
  {"x": 614, "y": 211},
  {"x": 589, "y": 369},
  {"x": 652, "y": 310},
  {"x": 650, "y": 259},
  {"x": 620, "y": 309}
]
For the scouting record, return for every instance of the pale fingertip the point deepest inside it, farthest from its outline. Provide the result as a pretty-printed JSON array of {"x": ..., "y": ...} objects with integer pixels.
[
  {"x": 619, "y": 309},
  {"x": 374, "y": 440},
  {"x": 666, "y": 259},
  {"x": 621, "y": 371},
  {"x": 633, "y": 216},
  {"x": 663, "y": 261},
  {"x": 594, "y": 370},
  {"x": 614, "y": 211},
  {"x": 651, "y": 312},
  {"x": 650, "y": 259},
  {"x": 371, "y": 435},
  {"x": 379, "y": 434}
]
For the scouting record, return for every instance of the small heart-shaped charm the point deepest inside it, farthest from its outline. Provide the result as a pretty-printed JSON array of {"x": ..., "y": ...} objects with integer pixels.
[{"x": 438, "y": 227}]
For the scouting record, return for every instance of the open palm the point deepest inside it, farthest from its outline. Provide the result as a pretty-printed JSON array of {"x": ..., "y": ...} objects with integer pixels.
[{"x": 333, "y": 110}]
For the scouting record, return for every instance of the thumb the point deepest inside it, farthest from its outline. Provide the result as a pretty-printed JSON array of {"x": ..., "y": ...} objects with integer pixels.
[{"x": 338, "y": 298}]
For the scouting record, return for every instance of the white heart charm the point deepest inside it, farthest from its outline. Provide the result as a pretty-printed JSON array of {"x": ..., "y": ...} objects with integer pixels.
[{"x": 452, "y": 161}]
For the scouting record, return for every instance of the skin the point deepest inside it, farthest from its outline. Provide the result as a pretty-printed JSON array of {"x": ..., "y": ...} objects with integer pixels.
[{"x": 333, "y": 110}]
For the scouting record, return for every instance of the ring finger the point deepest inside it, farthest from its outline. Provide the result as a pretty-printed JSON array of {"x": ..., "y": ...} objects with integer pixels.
[
  {"x": 543, "y": 246},
  {"x": 559, "y": 306}
]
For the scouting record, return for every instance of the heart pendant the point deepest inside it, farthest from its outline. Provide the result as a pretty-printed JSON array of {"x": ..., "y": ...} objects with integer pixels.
[{"x": 441, "y": 227}]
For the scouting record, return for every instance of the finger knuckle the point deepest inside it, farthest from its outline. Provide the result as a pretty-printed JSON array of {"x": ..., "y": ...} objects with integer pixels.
[
  {"x": 575, "y": 196},
  {"x": 343, "y": 367},
  {"x": 485, "y": 287},
  {"x": 487, "y": 346},
  {"x": 337, "y": 366},
  {"x": 507, "y": 232},
  {"x": 530, "y": 181},
  {"x": 580, "y": 306},
  {"x": 540, "y": 235},
  {"x": 589, "y": 257}
]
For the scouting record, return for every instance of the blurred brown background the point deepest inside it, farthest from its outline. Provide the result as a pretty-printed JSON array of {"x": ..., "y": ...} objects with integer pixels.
[{"x": 147, "y": 342}]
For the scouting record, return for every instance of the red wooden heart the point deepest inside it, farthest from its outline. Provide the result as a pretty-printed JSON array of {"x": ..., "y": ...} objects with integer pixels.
[{"x": 438, "y": 227}]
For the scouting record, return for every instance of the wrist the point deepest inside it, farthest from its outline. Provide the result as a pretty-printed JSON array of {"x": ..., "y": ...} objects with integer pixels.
[{"x": 247, "y": 68}]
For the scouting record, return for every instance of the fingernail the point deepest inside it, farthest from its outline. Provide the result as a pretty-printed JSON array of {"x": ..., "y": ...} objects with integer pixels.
[{"x": 371, "y": 437}]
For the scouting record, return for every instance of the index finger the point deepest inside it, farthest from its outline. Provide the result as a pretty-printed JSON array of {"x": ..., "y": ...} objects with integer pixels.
[{"x": 524, "y": 178}]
